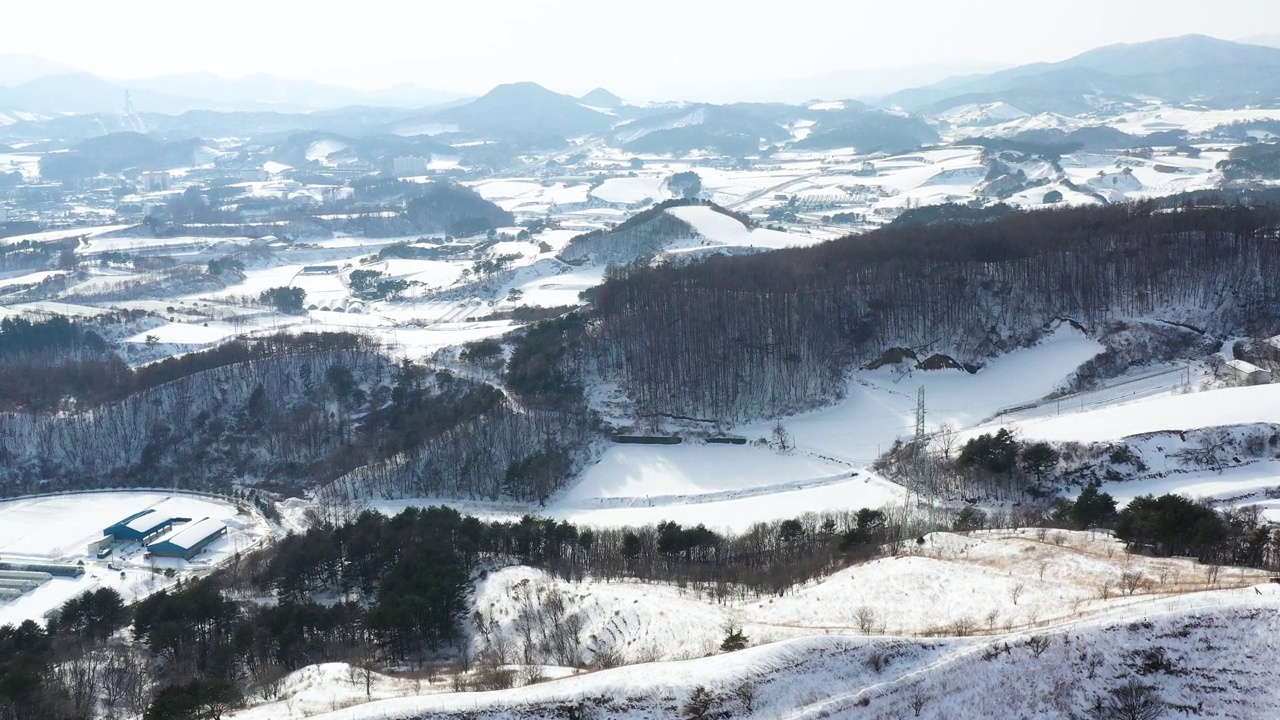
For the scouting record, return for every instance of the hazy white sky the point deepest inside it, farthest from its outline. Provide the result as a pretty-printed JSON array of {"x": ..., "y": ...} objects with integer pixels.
[{"x": 651, "y": 48}]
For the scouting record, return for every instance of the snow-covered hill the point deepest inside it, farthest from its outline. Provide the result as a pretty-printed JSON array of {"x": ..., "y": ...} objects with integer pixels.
[{"x": 1197, "y": 655}]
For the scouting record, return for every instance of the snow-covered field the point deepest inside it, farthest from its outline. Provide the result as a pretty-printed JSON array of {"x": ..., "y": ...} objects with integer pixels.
[
  {"x": 51, "y": 235},
  {"x": 59, "y": 528},
  {"x": 880, "y": 404},
  {"x": 722, "y": 230},
  {"x": 628, "y": 191},
  {"x": 529, "y": 196},
  {"x": 1209, "y": 408},
  {"x": 726, "y": 487}
]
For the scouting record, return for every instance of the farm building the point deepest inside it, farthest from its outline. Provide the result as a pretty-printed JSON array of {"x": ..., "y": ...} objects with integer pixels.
[
  {"x": 102, "y": 547},
  {"x": 1248, "y": 373},
  {"x": 141, "y": 526},
  {"x": 55, "y": 570},
  {"x": 1271, "y": 348},
  {"x": 190, "y": 540}
]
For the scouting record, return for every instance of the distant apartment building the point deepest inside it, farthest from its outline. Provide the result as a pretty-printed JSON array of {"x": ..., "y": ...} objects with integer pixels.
[
  {"x": 155, "y": 181},
  {"x": 409, "y": 166}
]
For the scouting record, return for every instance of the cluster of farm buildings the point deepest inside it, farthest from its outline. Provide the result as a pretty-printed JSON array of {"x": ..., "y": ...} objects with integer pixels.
[{"x": 162, "y": 534}]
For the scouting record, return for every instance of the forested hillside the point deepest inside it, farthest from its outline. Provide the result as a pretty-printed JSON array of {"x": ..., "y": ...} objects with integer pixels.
[
  {"x": 741, "y": 337},
  {"x": 288, "y": 411}
]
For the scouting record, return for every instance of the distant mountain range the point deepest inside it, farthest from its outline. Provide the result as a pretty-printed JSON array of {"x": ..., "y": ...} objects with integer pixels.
[
  {"x": 1272, "y": 40},
  {"x": 528, "y": 114},
  {"x": 1192, "y": 69},
  {"x": 19, "y": 69},
  {"x": 74, "y": 106},
  {"x": 33, "y": 85}
]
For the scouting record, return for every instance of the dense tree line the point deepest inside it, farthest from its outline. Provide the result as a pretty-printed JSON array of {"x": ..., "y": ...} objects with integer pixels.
[
  {"x": 47, "y": 363},
  {"x": 734, "y": 338},
  {"x": 766, "y": 559},
  {"x": 301, "y": 410},
  {"x": 58, "y": 364},
  {"x": 288, "y": 300},
  {"x": 1172, "y": 525},
  {"x": 486, "y": 456},
  {"x": 1254, "y": 162},
  {"x": 20, "y": 336},
  {"x": 543, "y": 368}
]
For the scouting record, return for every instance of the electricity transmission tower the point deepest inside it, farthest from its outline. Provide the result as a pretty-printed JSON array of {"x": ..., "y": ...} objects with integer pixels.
[{"x": 922, "y": 488}]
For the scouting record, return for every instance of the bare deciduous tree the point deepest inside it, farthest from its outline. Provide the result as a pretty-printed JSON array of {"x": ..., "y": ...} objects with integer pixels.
[
  {"x": 1104, "y": 590},
  {"x": 1016, "y": 592},
  {"x": 1211, "y": 575},
  {"x": 1130, "y": 582},
  {"x": 917, "y": 700},
  {"x": 1038, "y": 644},
  {"x": 865, "y": 617},
  {"x": 1130, "y": 701},
  {"x": 991, "y": 619}
]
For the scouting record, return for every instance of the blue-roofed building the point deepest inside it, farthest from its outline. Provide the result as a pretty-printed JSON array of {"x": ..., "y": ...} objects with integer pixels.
[
  {"x": 141, "y": 526},
  {"x": 190, "y": 540}
]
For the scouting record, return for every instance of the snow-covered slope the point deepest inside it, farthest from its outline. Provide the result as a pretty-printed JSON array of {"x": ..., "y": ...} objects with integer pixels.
[
  {"x": 631, "y": 191},
  {"x": 880, "y": 405},
  {"x": 1229, "y": 406},
  {"x": 722, "y": 230},
  {"x": 1198, "y": 654}
]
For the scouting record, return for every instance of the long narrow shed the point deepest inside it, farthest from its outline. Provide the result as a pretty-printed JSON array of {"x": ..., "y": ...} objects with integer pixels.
[
  {"x": 141, "y": 526},
  {"x": 187, "y": 542}
]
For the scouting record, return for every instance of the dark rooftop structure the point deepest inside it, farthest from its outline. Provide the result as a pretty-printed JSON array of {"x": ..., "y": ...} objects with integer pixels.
[
  {"x": 190, "y": 540},
  {"x": 141, "y": 526}
]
